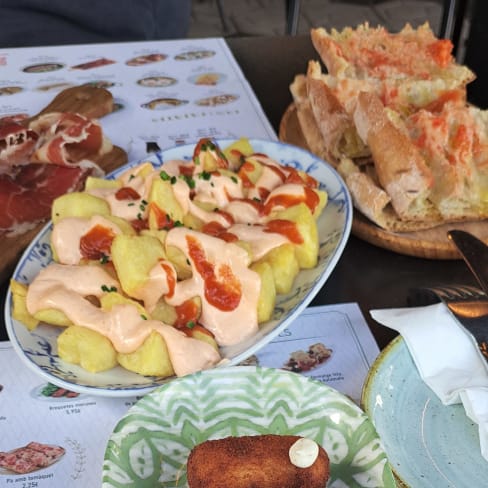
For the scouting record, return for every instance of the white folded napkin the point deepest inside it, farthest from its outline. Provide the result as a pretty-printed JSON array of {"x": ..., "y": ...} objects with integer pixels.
[{"x": 454, "y": 370}]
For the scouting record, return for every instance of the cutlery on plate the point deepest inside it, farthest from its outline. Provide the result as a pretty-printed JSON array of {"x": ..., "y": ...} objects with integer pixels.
[
  {"x": 467, "y": 304},
  {"x": 474, "y": 252}
]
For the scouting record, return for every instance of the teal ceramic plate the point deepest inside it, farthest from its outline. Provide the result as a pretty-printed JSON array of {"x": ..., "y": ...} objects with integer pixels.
[
  {"x": 428, "y": 444},
  {"x": 150, "y": 445}
]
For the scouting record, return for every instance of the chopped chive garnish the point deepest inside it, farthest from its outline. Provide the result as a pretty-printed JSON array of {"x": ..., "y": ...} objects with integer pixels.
[
  {"x": 189, "y": 180},
  {"x": 108, "y": 289}
]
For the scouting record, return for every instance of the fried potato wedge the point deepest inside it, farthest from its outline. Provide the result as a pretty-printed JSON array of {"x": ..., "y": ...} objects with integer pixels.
[
  {"x": 19, "y": 310},
  {"x": 306, "y": 252},
  {"x": 164, "y": 208},
  {"x": 88, "y": 348},
  {"x": 133, "y": 258},
  {"x": 150, "y": 359},
  {"x": 235, "y": 151},
  {"x": 78, "y": 204},
  {"x": 267, "y": 294},
  {"x": 284, "y": 266},
  {"x": 94, "y": 183}
]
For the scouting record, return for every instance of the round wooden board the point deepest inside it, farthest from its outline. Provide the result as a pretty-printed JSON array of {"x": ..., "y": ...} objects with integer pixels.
[{"x": 430, "y": 244}]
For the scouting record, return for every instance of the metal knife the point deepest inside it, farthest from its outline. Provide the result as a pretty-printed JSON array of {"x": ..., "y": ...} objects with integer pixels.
[{"x": 474, "y": 252}]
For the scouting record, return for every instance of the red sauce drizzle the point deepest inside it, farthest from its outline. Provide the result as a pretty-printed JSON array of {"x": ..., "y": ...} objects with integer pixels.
[
  {"x": 309, "y": 197},
  {"x": 186, "y": 169},
  {"x": 226, "y": 215},
  {"x": 223, "y": 291},
  {"x": 170, "y": 278},
  {"x": 127, "y": 193},
  {"x": 301, "y": 178},
  {"x": 96, "y": 243},
  {"x": 186, "y": 312},
  {"x": 216, "y": 229},
  {"x": 281, "y": 174},
  {"x": 162, "y": 219},
  {"x": 286, "y": 228},
  {"x": 243, "y": 174},
  {"x": 186, "y": 320},
  {"x": 139, "y": 224}
]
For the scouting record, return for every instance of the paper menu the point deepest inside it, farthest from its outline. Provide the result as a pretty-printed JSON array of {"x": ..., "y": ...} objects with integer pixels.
[
  {"x": 81, "y": 425},
  {"x": 330, "y": 344},
  {"x": 168, "y": 92}
]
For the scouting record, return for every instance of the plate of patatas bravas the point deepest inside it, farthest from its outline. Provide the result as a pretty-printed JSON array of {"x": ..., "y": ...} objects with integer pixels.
[{"x": 190, "y": 259}]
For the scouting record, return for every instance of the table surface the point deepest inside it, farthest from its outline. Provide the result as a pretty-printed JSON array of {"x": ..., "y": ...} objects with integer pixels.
[{"x": 368, "y": 275}]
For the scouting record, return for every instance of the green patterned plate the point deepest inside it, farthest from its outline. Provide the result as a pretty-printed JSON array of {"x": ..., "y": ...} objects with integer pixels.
[{"x": 150, "y": 445}]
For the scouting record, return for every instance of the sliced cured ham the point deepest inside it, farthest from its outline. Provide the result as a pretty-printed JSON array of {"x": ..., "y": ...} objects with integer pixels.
[
  {"x": 16, "y": 145},
  {"x": 26, "y": 198},
  {"x": 67, "y": 138},
  {"x": 38, "y": 163}
]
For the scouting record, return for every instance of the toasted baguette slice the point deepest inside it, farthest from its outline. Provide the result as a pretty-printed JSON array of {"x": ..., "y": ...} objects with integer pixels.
[
  {"x": 334, "y": 122},
  {"x": 401, "y": 170},
  {"x": 402, "y": 97},
  {"x": 373, "y": 202},
  {"x": 455, "y": 144},
  {"x": 408, "y": 71},
  {"x": 310, "y": 130},
  {"x": 367, "y": 52}
]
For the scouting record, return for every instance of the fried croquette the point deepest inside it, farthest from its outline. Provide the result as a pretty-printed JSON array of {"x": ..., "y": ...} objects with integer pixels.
[{"x": 261, "y": 461}]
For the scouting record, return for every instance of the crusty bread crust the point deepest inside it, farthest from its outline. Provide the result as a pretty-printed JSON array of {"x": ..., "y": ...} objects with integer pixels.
[
  {"x": 252, "y": 461},
  {"x": 401, "y": 170},
  {"x": 460, "y": 169},
  {"x": 374, "y": 52},
  {"x": 372, "y": 201},
  {"x": 334, "y": 122},
  {"x": 310, "y": 130}
]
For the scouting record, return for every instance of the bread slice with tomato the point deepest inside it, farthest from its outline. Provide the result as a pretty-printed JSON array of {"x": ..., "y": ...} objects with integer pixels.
[{"x": 390, "y": 113}]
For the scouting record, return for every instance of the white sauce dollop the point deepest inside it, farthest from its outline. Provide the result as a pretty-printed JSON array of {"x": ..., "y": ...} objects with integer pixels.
[{"x": 303, "y": 453}]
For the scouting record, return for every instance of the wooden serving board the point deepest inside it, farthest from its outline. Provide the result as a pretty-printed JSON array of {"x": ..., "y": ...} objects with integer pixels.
[
  {"x": 91, "y": 102},
  {"x": 430, "y": 243}
]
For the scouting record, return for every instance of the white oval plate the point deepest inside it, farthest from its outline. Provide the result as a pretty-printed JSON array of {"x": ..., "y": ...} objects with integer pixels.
[
  {"x": 428, "y": 444},
  {"x": 151, "y": 443},
  {"x": 38, "y": 348}
]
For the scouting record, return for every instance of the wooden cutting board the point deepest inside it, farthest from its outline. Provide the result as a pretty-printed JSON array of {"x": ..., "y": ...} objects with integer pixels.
[
  {"x": 431, "y": 243},
  {"x": 91, "y": 102}
]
